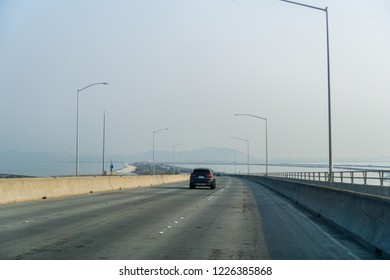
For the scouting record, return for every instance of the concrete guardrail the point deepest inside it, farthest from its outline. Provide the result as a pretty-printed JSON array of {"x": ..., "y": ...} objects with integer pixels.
[
  {"x": 365, "y": 217},
  {"x": 29, "y": 189}
]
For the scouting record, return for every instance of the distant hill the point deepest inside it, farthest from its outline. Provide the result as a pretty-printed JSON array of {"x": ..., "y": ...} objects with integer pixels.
[
  {"x": 204, "y": 155},
  {"x": 210, "y": 154}
]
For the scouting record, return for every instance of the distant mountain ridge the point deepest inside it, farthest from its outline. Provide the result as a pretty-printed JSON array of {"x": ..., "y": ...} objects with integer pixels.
[
  {"x": 203, "y": 155},
  {"x": 208, "y": 154}
]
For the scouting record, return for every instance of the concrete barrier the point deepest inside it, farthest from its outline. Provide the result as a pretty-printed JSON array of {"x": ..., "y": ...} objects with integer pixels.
[
  {"x": 365, "y": 217},
  {"x": 28, "y": 189}
]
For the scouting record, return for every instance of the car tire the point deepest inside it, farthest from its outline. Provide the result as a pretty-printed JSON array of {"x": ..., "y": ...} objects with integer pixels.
[{"x": 192, "y": 186}]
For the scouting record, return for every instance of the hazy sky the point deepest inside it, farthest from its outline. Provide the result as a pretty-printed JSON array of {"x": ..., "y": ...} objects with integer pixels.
[{"x": 190, "y": 65}]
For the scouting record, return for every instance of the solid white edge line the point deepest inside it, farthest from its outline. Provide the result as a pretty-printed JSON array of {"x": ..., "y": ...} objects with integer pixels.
[{"x": 326, "y": 234}]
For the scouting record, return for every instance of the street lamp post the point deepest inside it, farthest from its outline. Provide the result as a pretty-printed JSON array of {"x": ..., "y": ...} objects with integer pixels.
[
  {"x": 173, "y": 157},
  {"x": 104, "y": 140},
  {"x": 266, "y": 138},
  {"x": 77, "y": 125},
  {"x": 328, "y": 71},
  {"x": 235, "y": 161},
  {"x": 247, "y": 148},
  {"x": 154, "y": 133}
]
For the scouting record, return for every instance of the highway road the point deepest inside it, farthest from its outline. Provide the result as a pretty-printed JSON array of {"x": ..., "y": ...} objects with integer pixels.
[{"x": 240, "y": 219}]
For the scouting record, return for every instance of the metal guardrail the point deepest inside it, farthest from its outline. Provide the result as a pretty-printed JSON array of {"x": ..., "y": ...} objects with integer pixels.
[{"x": 365, "y": 177}]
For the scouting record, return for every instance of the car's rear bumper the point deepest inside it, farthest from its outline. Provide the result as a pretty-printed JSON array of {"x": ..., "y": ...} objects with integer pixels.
[{"x": 202, "y": 182}]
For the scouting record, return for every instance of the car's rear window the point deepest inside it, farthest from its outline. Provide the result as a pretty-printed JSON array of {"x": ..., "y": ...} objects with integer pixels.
[{"x": 201, "y": 171}]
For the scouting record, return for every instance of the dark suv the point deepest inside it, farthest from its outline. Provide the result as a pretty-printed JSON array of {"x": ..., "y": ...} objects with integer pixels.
[{"x": 202, "y": 177}]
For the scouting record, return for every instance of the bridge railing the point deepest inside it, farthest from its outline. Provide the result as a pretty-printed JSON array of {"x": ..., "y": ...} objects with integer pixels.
[{"x": 365, "y": 177}]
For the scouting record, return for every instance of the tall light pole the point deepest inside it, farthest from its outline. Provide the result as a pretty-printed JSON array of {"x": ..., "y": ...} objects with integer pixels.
[
  {"x": 328, "y": 70},
  {"x": 247, "y": 148},
  {"x": 266, "y": 138},
  {"x": 104, "y": 140},
  {"x": 235, "y": 161},
  {"x": 77, "y": 125},
  {"x": 173, "y": 157},
  {"x": 154, "y": 133}
]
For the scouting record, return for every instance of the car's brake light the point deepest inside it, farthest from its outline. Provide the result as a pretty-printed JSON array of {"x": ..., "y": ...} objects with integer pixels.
[{"x": 209, "y": 175}]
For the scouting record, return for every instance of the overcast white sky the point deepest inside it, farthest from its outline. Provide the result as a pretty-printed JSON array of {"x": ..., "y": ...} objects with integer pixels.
[{"x": 190, "y": 65}]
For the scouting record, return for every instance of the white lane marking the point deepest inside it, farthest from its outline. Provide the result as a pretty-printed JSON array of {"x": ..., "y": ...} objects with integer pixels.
[
  {"x": 182, "y": 218},
  {"x": 169, "y": 226}
]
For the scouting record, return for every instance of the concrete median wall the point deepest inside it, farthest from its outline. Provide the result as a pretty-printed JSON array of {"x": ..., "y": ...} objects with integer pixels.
[
  {"x": 28, "y": 189},
  {"x": 365, "y": 217}
]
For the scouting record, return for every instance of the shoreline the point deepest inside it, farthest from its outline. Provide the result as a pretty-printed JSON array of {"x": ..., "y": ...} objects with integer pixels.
[{"x": 125, "y": 170}]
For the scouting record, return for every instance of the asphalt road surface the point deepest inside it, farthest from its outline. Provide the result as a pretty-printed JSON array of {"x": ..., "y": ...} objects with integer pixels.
[{"x": 238, "y": 220}]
